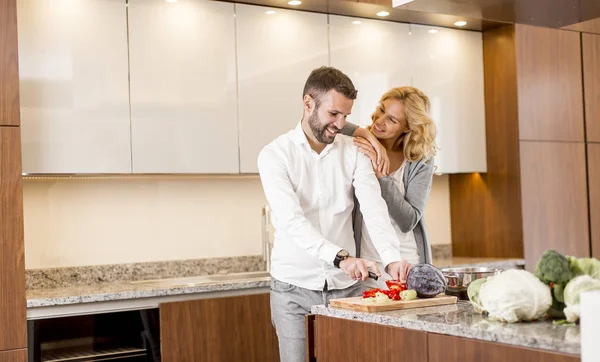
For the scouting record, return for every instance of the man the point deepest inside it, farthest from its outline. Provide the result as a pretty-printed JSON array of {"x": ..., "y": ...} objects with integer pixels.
[{"x": 309, "y": 176}]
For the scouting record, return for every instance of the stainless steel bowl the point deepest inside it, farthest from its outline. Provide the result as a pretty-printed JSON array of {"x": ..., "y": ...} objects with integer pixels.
[{"x": 458, "y": 279}]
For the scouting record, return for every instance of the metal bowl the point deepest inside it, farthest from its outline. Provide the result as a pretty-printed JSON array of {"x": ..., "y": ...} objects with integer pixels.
[{"x": 458, "y": 279}]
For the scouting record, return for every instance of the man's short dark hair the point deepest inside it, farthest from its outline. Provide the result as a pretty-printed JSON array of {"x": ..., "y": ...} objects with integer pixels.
[{"x": 323, "y": 79}]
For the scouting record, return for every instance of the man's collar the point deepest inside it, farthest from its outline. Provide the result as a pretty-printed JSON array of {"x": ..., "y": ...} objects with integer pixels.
[{"x": 298, "y": 136}]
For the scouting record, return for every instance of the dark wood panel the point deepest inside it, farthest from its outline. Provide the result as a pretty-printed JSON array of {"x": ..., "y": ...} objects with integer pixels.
[
  {"x": 590, "y": 26},
  {"x": 345, "y": 340},
  {"x": 9, "y": 64},
  {"x": 486, "y": 208},
  {"x": 594, "y": 186},
  {"x": 219, "y": 329},
  {"x": 12, "y": 265},
  {"x": 554, "y": 198},
  {"x": 591, "y": 81},
  {"x": 549, "y": 84},
  {"x": 454, "y": 349},
  {"x": 309, "y": 327},
  {"x": 17, "y": 355}
]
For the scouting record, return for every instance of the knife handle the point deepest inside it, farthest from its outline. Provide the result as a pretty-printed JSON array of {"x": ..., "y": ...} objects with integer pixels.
[{"x": 373, "y": 275}]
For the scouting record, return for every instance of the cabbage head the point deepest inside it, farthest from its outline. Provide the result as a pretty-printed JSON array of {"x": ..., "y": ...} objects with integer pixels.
[
  {"x": 514, "y": 295},
  {"x": 573, "y": 292}
]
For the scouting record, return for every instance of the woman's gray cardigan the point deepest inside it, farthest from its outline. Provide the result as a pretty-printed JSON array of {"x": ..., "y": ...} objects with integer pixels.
[{"x": 407, "y": 210}]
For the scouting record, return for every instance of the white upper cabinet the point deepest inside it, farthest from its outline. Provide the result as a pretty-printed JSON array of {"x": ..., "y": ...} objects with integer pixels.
[
  {"x": 374, "y": 54},
  {"x": 448, "y": 67},
  {"x": 277, "y": 49},
  {"x": 73, "y": 84},
  {"x": 183, "y": 87}
]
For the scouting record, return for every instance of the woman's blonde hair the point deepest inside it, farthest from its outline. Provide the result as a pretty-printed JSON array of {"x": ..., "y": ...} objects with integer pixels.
[{"x": 419, "y": 142}]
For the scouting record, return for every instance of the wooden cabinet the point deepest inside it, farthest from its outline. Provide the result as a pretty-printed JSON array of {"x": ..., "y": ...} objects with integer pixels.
[
  {"x": 554, "y": 199},
  {"x": 591, "y": 82},
  {"x": 373, "y": 54},
  {"x": 183, "y": 87},
  {"x": 344, "y": 340},
  {"x": 9, "y": 65},
  {"x": 74, "y": 86},
  {"x": 447, "y": 65},
  {"x": 12, "y": 264},
  {"x": 276, "y": 51},
  {"x": 549, "y": 84},
  {"x": 594, "y": 189},
  {"x": 455, "y": 349},
  {"x": 18, "y": 355},
  {"x": 219, "y": 329}
]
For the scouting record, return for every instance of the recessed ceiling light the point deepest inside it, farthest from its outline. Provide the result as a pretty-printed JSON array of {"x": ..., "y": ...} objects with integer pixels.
[
  {"x": 460, "y": 23},
  {"x": 433, "y": 31},
  {"x": 357, "y": 22},
  {"x": 383, "y": 13},
  {"x": 294, "y": 2},
  {"x": 270, "y": 12}
]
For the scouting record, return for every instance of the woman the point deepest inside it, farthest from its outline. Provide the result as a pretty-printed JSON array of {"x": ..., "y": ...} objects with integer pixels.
[{"x": 401, "y": 144}]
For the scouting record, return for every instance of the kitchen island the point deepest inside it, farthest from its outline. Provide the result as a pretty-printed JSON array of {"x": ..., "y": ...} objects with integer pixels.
[{"x": 435, "y": 334}]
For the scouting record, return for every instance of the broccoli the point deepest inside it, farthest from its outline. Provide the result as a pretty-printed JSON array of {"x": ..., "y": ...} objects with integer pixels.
[{"x": 553, "y": 267}]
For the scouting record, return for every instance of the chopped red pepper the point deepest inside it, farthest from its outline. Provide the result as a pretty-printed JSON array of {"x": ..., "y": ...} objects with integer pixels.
[{"x": 395, "y": 285}]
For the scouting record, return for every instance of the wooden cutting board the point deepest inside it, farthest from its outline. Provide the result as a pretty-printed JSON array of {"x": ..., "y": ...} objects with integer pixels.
[{"x": 358, "y": 304}]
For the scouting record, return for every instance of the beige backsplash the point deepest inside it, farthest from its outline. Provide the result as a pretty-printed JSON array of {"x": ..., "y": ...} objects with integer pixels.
[{"x": 95, "y": 222}]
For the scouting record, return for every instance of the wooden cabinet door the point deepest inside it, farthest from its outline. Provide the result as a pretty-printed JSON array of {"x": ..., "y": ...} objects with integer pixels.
[
  {"x": 594, "y": 184},
  {"x": 12, "y": 265},
  {"x": 9, "y": 65},
  {"x": 549, "y": 84},
  {"x": 456, "y": 349},
  {"x": 18, "y": 355},
  {"x": 218, "y": 330},
  {"x": 554, "y": 199},
  {"x": 591, "y": 83},
  {"x": 344, "y": 340}
]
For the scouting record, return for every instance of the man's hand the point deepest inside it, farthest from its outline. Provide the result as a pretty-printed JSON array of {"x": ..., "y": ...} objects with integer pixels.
[
  {"x": 398, "y": 270},
  {"x": 358, "y": 268}
]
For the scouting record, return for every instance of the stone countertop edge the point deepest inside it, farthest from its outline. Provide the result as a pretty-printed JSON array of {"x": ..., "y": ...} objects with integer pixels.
[
  {"x": 45, "y": 297},
  {"x": 461, "y": 320},
  {"x": 126, "y": 291}
]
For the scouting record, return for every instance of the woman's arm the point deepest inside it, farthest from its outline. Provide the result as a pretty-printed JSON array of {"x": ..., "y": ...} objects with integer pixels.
[
  {"x": 383, "y": 162},
  {"x": 407, "y": 210}
]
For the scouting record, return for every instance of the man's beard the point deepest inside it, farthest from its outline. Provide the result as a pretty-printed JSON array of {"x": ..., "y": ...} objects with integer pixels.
[{"x": 319, "y": 130}]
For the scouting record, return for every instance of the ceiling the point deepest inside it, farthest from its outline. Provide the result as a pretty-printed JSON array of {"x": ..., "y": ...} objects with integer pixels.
[{"x": 547, "y": 13}]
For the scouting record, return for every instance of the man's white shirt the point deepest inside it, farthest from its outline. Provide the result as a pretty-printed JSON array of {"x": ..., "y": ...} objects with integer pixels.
[{"x": 311, "y": 200}]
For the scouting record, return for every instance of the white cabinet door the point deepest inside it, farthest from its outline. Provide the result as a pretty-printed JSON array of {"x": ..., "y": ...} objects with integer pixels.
[
  {"x": 74, "y": 91},
  {"x": 277, "y": 49},
  {"x": 183, "y": 87},
  {"x": 374, "y": 54},
  {"x": 448, "y": 67}
]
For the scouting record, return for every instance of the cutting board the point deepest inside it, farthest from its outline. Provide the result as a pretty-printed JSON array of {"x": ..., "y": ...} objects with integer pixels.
[{"x": 358, "y": 304}]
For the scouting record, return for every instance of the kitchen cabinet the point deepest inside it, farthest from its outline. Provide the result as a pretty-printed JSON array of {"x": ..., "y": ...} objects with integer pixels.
[
  {"x": 183, "y": 87},
  {"x": 218, "y": 329},
  {"x": 549, "y": 84},
  {"x": 276, "y": 51},
  {"x": 12, "y": 259},
  {"x": 74, "y": 86},
  {"x": 591, "y": 81},
  {"x": 373, "y": 54},
  {"x": 455, "y": 349},
  {"x": 344, "y": 340},
  {"x": 18, "y": 355},
  {"x": 9, "y": 65},
  {"x": 554, "y": 218},
  {"x": 447, "y": 65},
  {"x": 594, "y": 187}
]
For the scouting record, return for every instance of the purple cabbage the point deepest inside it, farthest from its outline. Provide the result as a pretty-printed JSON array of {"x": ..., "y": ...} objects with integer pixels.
[{"x": 427, "y": 280}]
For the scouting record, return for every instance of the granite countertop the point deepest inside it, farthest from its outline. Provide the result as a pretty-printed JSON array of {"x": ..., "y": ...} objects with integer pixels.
[
  {"x": 462, "y": 321},
  {"x": 46, "y": 297},
  {"x": 126, "y": 290}
]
